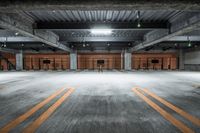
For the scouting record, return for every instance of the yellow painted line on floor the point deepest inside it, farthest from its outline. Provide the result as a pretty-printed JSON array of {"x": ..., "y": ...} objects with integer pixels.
[
  {"x": 43, "y": 117},
  {"x": 23, "y": 117},
  {"x": 165, "y": 114},
  {"x": 191, "y": 118}
]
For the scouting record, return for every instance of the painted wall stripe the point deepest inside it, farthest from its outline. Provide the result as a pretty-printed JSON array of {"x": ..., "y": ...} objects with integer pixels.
[
  {"x": 30, "y": 112},
  {"x": 43, "y": 117},
  {"x": 165, "y": 114}
]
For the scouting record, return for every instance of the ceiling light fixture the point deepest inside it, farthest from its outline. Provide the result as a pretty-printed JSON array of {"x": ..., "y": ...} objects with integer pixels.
[
  {"x": 138, "y": 19},
  {"x": 189, "y": 42},
  {"x": 16, "y": 34},
  {"x": 101, "y": 31},
  {"x": 138, "y": 25}
]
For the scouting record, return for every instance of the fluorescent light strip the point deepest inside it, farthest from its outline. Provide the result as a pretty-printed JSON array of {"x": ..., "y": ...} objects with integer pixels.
[{"x": 101, "y": 31}]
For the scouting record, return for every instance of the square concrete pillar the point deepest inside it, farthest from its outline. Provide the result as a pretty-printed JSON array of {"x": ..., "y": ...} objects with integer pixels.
[
  {"x": 122, "y": 60},
  {"x": 73, "y": 61},
  {"x": 19, "y": 61},
  {"x": 127, "y": 60},
  {"x": 181, "y": 59}
]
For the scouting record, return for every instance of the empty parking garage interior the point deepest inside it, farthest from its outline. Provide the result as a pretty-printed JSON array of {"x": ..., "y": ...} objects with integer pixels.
[{"x": 122, "y": 66}]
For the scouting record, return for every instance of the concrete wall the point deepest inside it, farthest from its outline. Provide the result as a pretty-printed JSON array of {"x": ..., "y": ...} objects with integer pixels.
[
  {"x": 192, "y": 60},
  {"x": 192, "y": 57}
]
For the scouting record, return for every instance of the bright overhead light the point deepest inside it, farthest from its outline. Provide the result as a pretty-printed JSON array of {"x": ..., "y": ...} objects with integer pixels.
[
  {"x": 16, "y": 33},
  {"x": 138, "y": 25},
  {"x": 189, "y": 44},
  {"x": 101, "y": 31}
]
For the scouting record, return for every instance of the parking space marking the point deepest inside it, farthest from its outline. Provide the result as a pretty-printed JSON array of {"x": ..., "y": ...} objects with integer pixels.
[
  {"x": 43, "y": 117},
  {"x": 30, "y": 112},
  {"x": 191, "y": 118},
  {"x": 165, "y": 114}
]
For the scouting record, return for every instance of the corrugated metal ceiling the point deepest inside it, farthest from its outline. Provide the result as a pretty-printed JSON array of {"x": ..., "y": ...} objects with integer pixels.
[{"x": 100, "y": 15}]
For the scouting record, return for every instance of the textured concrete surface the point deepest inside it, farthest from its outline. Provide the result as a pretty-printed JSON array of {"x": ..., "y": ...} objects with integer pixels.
[
  {"x": 191, "y": 60},
  {"x": 13, "y": 5},
  {"x": 102, "y": 102}
]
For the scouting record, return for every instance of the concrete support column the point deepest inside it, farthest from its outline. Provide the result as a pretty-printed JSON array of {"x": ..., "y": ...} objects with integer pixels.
[
  {"x": 19, "y": 61},
  {"x": 127, "y": 60},
  {"x": 181, "y": 59},
  {"x": 122, "y": 60},
  {"x": 73, "y": 61}
]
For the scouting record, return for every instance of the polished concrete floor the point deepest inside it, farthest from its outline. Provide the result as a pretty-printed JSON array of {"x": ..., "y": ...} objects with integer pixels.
[{"x": 101, "y": 102}]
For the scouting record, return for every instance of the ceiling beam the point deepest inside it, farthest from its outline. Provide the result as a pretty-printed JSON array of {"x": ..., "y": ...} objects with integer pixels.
[
  {"x": 14, "y": 22},
  {"x": 8, "y": 50},
  {"x": 101, "y": 39},
  {"x": 110, "y": 25},
  {"x": 75, "y": 39},
  {"x": 14, "y": 5},
  {"x": 184, "y": 39},
  {"x": 178, "y": 27},
  {"x": 17, "y": 39}
]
